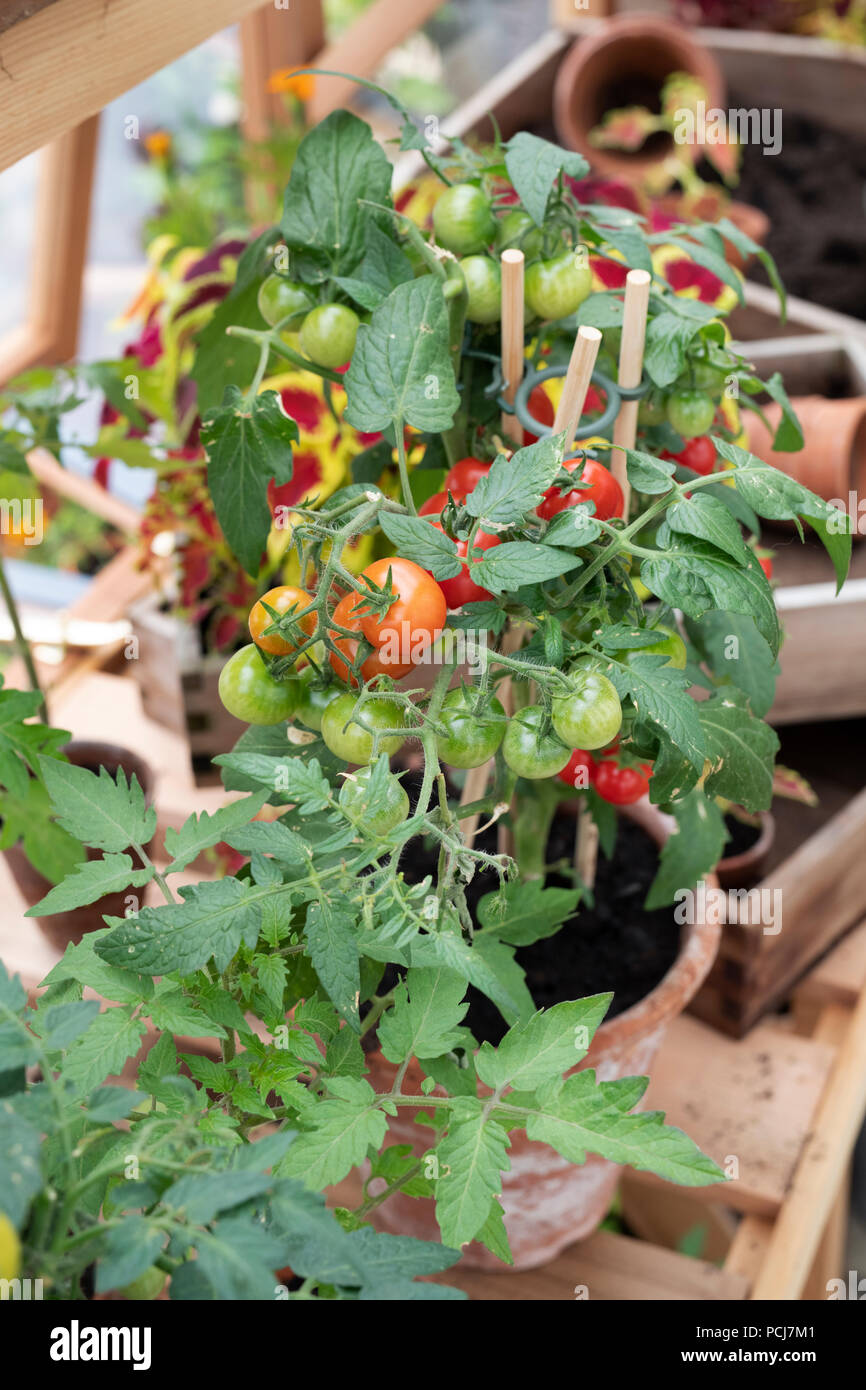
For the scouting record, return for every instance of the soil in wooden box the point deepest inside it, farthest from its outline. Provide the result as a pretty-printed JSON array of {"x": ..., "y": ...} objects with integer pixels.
[{"x": 812, "y": 191}]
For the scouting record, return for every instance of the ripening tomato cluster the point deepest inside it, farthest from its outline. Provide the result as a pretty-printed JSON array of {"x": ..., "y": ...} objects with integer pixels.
[
  {"x": 621, "y": 784},
  {"x": 327, "y": 331}
]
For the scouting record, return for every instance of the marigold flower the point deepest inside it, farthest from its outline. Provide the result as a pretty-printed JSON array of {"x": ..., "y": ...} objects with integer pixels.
[
  {"x": 299, "y": 84},
  {"x": 158, "y": 144}
]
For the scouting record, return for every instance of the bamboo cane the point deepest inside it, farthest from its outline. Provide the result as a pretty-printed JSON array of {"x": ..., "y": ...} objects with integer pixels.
[
  {"x": 577, "y": 380},
  {"x": 637, "y": 288},
  {"x": 512, "y": 338}
]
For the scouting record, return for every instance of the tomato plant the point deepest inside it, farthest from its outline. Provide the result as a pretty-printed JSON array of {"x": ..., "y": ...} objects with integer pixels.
[
  {"x": 483, "y": 287},
  {"x": 326, "y": 953}
]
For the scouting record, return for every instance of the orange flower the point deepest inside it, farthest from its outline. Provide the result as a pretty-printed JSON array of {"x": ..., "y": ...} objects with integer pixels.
[
  {"x": 300, "y": 84},
  {"x": 158, "y": 144}
]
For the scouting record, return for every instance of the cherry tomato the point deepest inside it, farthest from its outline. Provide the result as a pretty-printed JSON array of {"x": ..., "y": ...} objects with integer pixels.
[
  {"x": 579, "y": 771},
  {"x": 484, "y": 288},
  {"x": 541, "y": 408},
  {"x": 328, "y": 334},
  {"x": 669, "y": 644},
  {"x": 461, "y": 479},
  {"x": 699, "y": 455},
  {"x": 147, "y": 1286},
  {"x": 249, "y": 691},
  {"x": 462, "y": 588},
  {"x": 373, "y": 665},
  {"x": 690, "y": 413},
  {"x": 652, "y": 411},
  {"x": 313, "y": 698},
  {"x": 353, "y": 743},
  {"x": 517, "y": 228},
  {"x": 469, "y": 739},
  {"x": 622, "y": 786},
  {"x": 589, "y": 715},
  {"x": 462, "y": 220},
  {"x": 766, "y": 563},
  {"x": 284, "y": 599},
  {"x": 389, "y": 811},
  {"x": 415, "y": 617},
  {"x": 709, "y": 378},
  {"x": 556, "y": 288},
  {"x": 528, "y": 752},
  {"x": 603, "y": 490},
  {"x": 279, "y": 298},
  {"x": 434, "y": 505}
]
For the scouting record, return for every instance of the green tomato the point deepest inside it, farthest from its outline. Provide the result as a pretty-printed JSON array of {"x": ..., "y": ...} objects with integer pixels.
[
  {"x": 652, "y": 410},
  {"x": 313, "y": 698},
  {"x": 708, "y": 378},
  {"x": 279, "y": 298},
  {"x": 328, "y": 334},
  {"x": 484, "y": 288},
  {"x": 469, "y": 739},
  {"x": 146, "y": 1287},
  {"x": 462, "y": 220},
  {"x": 670, "y": 644},
  {"x": 690, "y": 413},
  {"x": 554, "y": 289},
  {"x": 249, "y": 691},
  {"x": 528, "y": 752},
  {"x": 389, "y": 810},
  {"x": 355, "y": 744},
  {"x": 589, "y": 715},
  {"x": 517, "y": 229}
]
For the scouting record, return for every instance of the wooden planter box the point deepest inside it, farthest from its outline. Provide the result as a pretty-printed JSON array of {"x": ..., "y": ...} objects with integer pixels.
[{"x": 179, "y": 683}]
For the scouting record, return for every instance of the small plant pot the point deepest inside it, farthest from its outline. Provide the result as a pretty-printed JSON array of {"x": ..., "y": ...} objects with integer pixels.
[
  {"x": 832, "y": 462},
  {"x": 747, "y": 867},
  {"x": 626, "y": 64},
  {"x": 63, "y": 928},
  {"x": 549, "y": 1203}
]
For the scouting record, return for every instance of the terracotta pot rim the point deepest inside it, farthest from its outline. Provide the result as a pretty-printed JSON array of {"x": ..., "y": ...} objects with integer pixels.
[
  {"x": 734, "y": 863},
  {"x": 691, "y": 54}
]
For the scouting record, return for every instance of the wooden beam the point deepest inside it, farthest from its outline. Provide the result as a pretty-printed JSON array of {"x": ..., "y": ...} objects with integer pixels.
[
  {"x": 361, "y": 49},
  {"x": 68, "y": 61},
  {"x": 274, "y": 38}
]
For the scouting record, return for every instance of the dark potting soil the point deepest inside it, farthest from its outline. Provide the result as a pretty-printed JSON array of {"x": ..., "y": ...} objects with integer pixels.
[
  {"x": 813, "y": 192},
  {"x": 614, "y": 945},
  {"x": 742, "y": 836}
]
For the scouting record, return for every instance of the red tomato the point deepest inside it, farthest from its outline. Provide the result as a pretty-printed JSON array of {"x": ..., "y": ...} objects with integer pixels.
[
  {"x": 766, "y": 563},
  {"x": 699, "y": 455},
  {"x": 373, "y": 665},
  {"x": 580, "y": 769},
  {"x": 603, "y": 490},
  {"x": 541, "y": 409},
  {"x": 415, "y": 617},
  {"x": 461, "y": 479},
  {"x": 462, "y": 588},
  {"x": 622, "y": 786}
]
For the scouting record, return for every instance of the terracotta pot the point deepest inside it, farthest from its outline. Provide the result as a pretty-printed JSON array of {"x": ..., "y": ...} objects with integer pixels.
[
  {"x": 832, "y": 462},
  {"x": 550, "y": 1203},
  {"x": 626, "y": 64},
  {"x": 65, "y": 927},
  {"x": 739, "y": 870}
]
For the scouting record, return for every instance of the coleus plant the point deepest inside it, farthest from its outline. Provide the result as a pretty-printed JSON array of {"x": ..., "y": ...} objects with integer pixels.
[{"x": 323, "y": 942}]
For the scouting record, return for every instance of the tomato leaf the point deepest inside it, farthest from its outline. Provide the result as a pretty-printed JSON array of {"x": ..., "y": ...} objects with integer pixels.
[
  {"x": 648, "y": 474},
  {"x": 515, "y": 486},
  {"x": 533, "y": 164},
  {"x": 401, "y": 369},
  {"x": 735, "y": 651},
  {"x": 108, "y": 813},
  {"x": 333, "y": 947},
  {"x": 472, "y": 1157},
  {"x": 382, "y": 269},
  {"x": 247, "y": 443},
  {"x": 515, "y": 563},
  {"x": 417, "y": 540},
  {"x": 425, "y": 1020},
  {"x": 668, "y": 337},
  {"x": 742, "y": 750},
  {"x": 523, "y": 912},
  {"x": 91, "y": 881},
  {"x": 709, "y": 520},
  {"x": 324, "y": 221},
  {"x": 693, "y": 850},
  {"x": 538, "y": 1049},
  {"x": 696, "y": 577},
  {"x": 222, "y": 360}
]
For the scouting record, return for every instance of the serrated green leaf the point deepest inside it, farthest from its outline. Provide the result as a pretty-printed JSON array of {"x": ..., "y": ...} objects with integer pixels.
[
  {"x": 649, "y": 474},
  {"x": 248, "y": 442},
  {"x": 541, "y": 1048},
  {"x": 533, "y": 165},
  {"x": 709, "y": 520},
  {"x": 694, "y": 849},
  {"x": 81, "y": 963},
  {"x": 525, "y": 911},
  {"x": 20, "y": 1172},
  {"x": 516, "y": 485},
  {"x": 417, "y": 540},
  {"x": 201, "y": 832},
  {"x": 428, "y": 1008},
  {"x": 513, "y": 564},
  {"x": 737, "y": 654},
  {"x": 92, "y": 880},
  {"x": 741, "y": 749},
  {"x": 346, "y": 1125},
  {"x": 128, "y": 1250},
  {"x": 212, "y": 920},
  {"x": 472, "y": 1157},
  {"x": 697, "y": 578},
  {"x": 333, "y": 947},
  {"x": 107, "y": 813},
  {"x": 112, "y": 1037}
]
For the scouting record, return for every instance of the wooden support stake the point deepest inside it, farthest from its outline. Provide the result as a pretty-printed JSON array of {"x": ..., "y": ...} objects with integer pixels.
[
  {"x": 512, "y": 338},
  {"x": 823, "y": 1162},
  {"x": 473, "y": 789},
  {"x": 637, "y": 288},
  {"x": 580, "y": 369}
]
